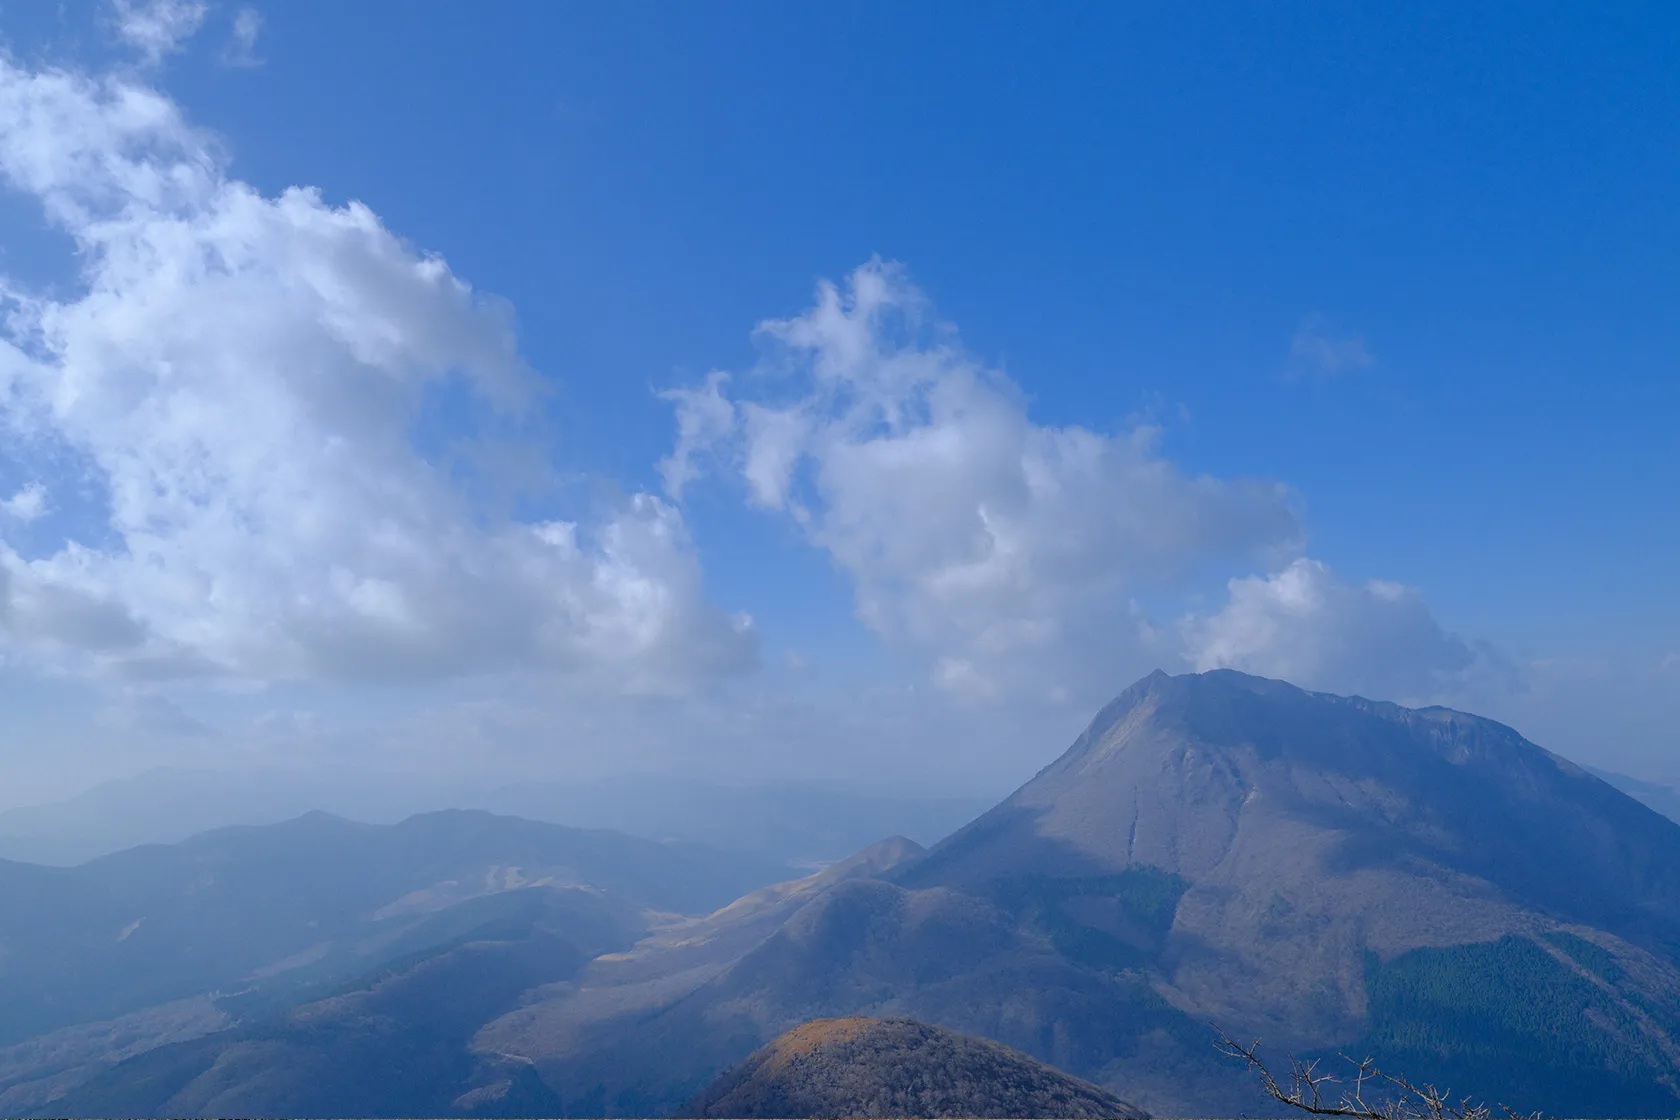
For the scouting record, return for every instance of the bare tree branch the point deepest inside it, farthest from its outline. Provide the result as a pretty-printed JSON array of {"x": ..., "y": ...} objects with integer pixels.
[{"x": 1400, "y": 1100}]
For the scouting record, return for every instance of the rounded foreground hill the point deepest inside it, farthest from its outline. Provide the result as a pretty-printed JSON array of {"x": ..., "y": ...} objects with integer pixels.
[{"x": 897, "y": 1068}]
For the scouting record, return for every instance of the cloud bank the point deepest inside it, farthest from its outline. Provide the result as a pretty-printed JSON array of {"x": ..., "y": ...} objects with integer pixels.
[
  {"x": 1007, "y": 550},
  {"x": 1306, "y": 625},
  {"x": 228, "y": 419}
]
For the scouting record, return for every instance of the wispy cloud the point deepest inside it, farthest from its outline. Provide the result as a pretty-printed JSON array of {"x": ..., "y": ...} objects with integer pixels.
[
  {"x": 1319, "y": 349},
  {"x": 241, "y": 48},
  {"x": 1305, "y": 624},
  {"x": 157, "y": 28}
]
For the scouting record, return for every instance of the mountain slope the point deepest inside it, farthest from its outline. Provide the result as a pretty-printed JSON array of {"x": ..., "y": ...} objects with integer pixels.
[
  {"x": 393, "y": 1044},
  {"x": 1325, "y": 841},
  {"x": 897, "y": 1067},
  {"x": 1314, "y": 828},
  {"x": 416, "y": 1019}
]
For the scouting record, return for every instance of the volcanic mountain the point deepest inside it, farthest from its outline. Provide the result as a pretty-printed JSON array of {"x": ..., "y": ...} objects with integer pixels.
[
  {"x": 897, "y": 1067},
  {"x": 1323, "y": 872},
  {"x": 1307, "y": 831}
]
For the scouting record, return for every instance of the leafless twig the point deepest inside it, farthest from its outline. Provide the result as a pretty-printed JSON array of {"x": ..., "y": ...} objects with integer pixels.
[{"x": 1402, "y": 1100}]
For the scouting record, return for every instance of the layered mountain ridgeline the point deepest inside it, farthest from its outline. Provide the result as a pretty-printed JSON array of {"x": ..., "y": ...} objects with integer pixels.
[
  {"x": 103, "y": 961},
  {"x": 1325, "y": 873},
  {"x": 897, "y": 1068},
  {"x": 800, "y": 824}
]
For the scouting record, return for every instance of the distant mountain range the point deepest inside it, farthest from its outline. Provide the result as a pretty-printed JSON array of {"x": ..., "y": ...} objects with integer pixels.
[
  {"x": 1326, "y": 873},
  {"x": 788, "y": 822}
]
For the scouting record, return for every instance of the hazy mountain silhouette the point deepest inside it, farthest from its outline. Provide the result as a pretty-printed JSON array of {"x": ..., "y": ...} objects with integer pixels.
[
  {"x": 801, "y": 823},
  {"x": 1421, "y": 885},
  {"x": 897, "y": 1067},
  {"x": 168, "y": 804}
]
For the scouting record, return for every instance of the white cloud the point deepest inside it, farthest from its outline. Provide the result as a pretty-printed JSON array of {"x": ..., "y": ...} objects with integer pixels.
[
  {"x": 244, "y": 376},
  {"x": 704, "y": 417},
  {"x": 157, "y": 27},
  {"x": 1005, "y": 549},
  {"x": 1318, "y": 348},
  {"x": 27, "y": 504},
  {"x": 241, "y": 48},
  {"x": 1305, "y": 625}
]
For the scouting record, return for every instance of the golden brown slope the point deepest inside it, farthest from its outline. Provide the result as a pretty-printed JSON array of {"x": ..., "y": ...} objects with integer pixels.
[{"x": 897, "y": 1068}]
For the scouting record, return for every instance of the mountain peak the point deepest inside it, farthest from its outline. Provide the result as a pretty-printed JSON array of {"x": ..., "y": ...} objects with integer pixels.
[
  {"x": 1204, "y": 774},
  {"x": 898, "y": 1067}
]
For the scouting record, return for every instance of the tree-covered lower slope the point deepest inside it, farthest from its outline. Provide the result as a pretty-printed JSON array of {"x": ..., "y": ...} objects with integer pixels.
[
  {"x": 1537, "y": 1026},
  {"x": 897, "y": 1068}
]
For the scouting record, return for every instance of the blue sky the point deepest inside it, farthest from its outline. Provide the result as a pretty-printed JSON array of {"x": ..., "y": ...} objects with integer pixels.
[{"x": 1414, "y": 265}]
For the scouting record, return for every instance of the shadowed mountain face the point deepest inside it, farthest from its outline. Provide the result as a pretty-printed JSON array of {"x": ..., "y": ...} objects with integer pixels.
[
  {"x": 897, "y": 1067},
  {"x": 1325, "y": 873},
  {"x": 792, "y": 823}
]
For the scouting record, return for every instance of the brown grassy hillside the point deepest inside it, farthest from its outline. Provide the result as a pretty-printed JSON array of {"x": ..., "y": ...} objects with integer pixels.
[{"x": 897, "y": 1067}]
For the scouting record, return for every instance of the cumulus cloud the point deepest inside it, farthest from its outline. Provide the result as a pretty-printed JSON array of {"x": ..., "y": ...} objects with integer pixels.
[
  {"x": 1319, "y": 349},
  {"x": 157, "y": 28},
  {"x": 244, "y": 377},
  {"x": 1305, "y": 625},
  {"x": 1006, "y": 549}
]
